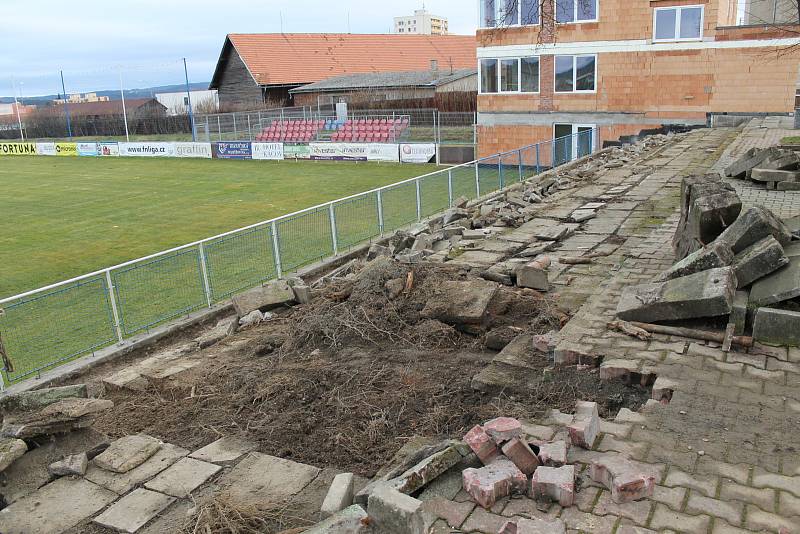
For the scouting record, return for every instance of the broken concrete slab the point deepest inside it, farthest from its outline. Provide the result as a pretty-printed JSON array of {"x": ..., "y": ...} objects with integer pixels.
[
  {"x": 490, "y": 483},
  {"x": 770, "y": 175},
  {"x": 268, "y": 296},
  {"x": 777, "y": 327},
  {"x": 11, "y": 449},
  {"x": 39, "y": 398},
  {"x": 183, "y": 477},
  {"x": 758, "y": 260},
  {"x": 714, "y": 256},
  {"x": 127, "y": 453},
  {"x": 55, "y": 507},
  {"x": 73, "y": 465},
  {"x": 783, "y": 284},
  {"x": 339, "y": 496},
  {"x": 352, "y": 520},
  {"x": 60, "y": 417},
  {"x": 499, "y": 338},
  {"x": 708, "y": 206},
  {"x": 519, "y": 353},
  {"x": 627, "y": 481},
  {"x": 705, "y": 294},
  {"x": 787, "y": 186},
  {"x": 395, "y": 513},
  {"x": 461, "y": 302},
  {"x": 122, "y": 483},
  {"x": 752, "y": 226},
  {"x": 224, "y": 451},
  {"x": 425, "y": 471},
  {"x": 260, "y": 478},
  {"x": 582, "y": 215},
  {"x": 554, "y": 483},
  {"x": 133, "y": 511},
  {"x": 748, "y": 161},
  {"x": 585, "y": 426},
  {"x": 556, "y": 232},
  {"x": 223, "y": 329},
  {"x": 739, "y": 312}
]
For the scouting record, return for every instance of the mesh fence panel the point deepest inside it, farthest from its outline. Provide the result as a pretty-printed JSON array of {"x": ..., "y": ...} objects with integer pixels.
[
  {"x": 464, "y": 182},
  {"x": 510, "y": 168},
  {"x": 489, "y": 172},
  {"x": 356, "y": 220},
  {"x": 530, "y": 162},
  {"x": 434, "y": 194},
  {"x": 159, "y": 289},
  {"x": 41, "y": 331},
  {"x": 305, "y": 238},
  {"x": 240, "y": 261},
  {"x": 399, "y": 206}
]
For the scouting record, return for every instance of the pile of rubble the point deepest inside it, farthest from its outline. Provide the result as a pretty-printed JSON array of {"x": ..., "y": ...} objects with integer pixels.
[
  {"x": 31, "y": 416},
  {"x": 775, "y": 167},
  {"x": 742, "y": 264}
]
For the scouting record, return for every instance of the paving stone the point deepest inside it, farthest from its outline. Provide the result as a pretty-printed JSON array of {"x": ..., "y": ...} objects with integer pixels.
[
  {"x": 74, "y": 465},
  {"x": 260, "y": 478},
  {"x": 426, "y": 470},
  {"x": 764, "y": 479},
  {"x": 774, "y": 175},
  {"x": 503, "y": 428},
  {"x": 554, "y": 483},
  {"x": 731, "y": 511},
  {"x": 55, "y": 508},
  {"x": 60, "y": 417},
  {"x": 122, "y": 483},
  {"x": 491, "y": 483},
  {"x": 128, "y": 452},
  {"x": 133, "y": 511},
  {"x": 739, "y": 312},
  {"x": 482, "y": 521},
  {"x": 454, "y": 513},
  {"x": 704, "y": 484},
  {"x": 533, "y": 275},
  {"x": 482, "y": 444},
  {"x": 533, "y": 526},
  {"x": 11, "y": 449},
  {"x": 461, "y": 302},
  {"x": 339, "y": 496},
  {"x": 664, "y": 518},
  {"x": 757, "y": 519},
  {"x": 395, "y": 513},
  {"x": 706, "y": 294},
  {"x": 637, "y": 511},
  {"x": 553, "y": 454},
  {"x": 224, "y": 451},
  {"x": 588, "y": 523},
  {"x": 626, "y": 480},
  {"x": 585, "y": 426},
  {"x": 521, "y": 454},
  {"x": 39, "y": 398},
  {"x": 183, "y": 477},
  {"x": 351, "y": 520},
  {"x": 758, "y": 260},
  {"x": 671, "y": 497},
  {"x": 777, "y": 327}
]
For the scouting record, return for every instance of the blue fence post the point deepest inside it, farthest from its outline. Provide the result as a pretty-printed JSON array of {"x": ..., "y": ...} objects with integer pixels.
[
  {"x": 500, "y": 170},
  {"x": 538, "y": 164},
  {"x": 519, "y": 160}
]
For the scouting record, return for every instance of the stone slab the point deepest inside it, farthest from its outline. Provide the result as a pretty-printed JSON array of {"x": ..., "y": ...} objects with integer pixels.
[
  {"x": 705, "y": 294},
  {"x": 777, "y": 327},
  {"x": 11, "y": 449},
  {"x": 122, "y": 483},
  {"x": 351, "y": 520},
  {"x": 224, "y": 328},
  {"x": 394, "y": 512},
  {"x": 339, "y": 496},
  {"x": 55, "y": 508},
  {"x": 788, "y": 186},
  {"x": 265, "y": 297},
  {"x": 260, "y": 478},
  {"x": 39, "y": 398},
  {"x": 758, "y": 260},
  {"x": 461, "y": 302},
  {"x": 224, "y": 450},
  {"x": 134, "y": 511},
  {"x": 781, "y": 285},
  {"x": 476, "y": 258},
  {"x": 771, "y": 175},
  {"x": 74, "y": 465},
  {"x": 752, "y": 226},
  {"x": 739, "y": 312},
  {"x": 714, "y": 256},
  {"x": 183, "y": 477},
  {"x": 127, "y": 453}
]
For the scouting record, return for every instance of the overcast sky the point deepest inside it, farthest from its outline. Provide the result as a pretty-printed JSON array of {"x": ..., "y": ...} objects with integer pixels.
[{"x": 89, "y": 39}]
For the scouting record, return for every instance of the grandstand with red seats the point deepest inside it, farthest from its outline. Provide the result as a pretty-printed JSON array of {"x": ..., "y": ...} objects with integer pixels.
[{"x": 360, "y": 130}]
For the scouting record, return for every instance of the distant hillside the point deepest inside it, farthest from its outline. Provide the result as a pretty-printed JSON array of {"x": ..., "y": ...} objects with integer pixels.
[{"x": 114, "y": 94}]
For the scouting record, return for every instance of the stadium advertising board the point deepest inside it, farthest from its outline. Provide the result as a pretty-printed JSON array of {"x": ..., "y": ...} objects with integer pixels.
[
  {"x": 233, "y": 150},
  {"x": 46, "y": 149},
  {"x": 66, "y": 149},
  {"x": 193, "y": 150},
  {"x": 17, "y": 149},
  {"x": 272, "y": 151},
  {"x": 417, "y": 153},
  {"x": 339, "y": 151},
  {"x": 151, "y": 150},
  {"x": 108, "y": 149},
  {"x": 383, "y": 152},
  {"x": 296, "y": 152},
  {"x": 88, "y": 149}
]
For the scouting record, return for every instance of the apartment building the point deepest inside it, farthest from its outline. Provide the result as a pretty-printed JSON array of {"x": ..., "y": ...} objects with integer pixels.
[
  {"x": 421, "y": 23},
  {"x": 609, "y": 68}
]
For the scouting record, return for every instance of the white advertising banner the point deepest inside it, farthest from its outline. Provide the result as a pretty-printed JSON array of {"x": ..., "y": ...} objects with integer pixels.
[
  {"x": 272, "y": 151},
  {"x": 339, "y": 151},
  {"x": 88, "y": 149},
  {"x": 193, "y": 150},
  {"x": 383, "y": 152},
  {"x": 109, "y": 149},
  {"x": 147, "y": 149},
  {"x": 46, "y": 149},
  {"x": 417, "y": 153}
]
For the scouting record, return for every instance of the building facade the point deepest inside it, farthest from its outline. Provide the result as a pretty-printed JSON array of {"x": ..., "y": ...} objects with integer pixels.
[
  {"x": 177, "y": 103},
  {"x": 421, "y": 22},
  {"x": 551, "y": 68},
  {"x": 81, "y": 99}
]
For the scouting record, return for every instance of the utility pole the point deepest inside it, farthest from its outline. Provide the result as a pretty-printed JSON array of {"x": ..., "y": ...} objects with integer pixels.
[
  {"x": 189, "y": 100},
  {"x": 124, "y": 111},
  {"x": 66, "y": 106},
  {"x": 16, "y": 105}
]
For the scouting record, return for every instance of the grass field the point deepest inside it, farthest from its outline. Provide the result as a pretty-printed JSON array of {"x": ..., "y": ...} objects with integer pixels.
[{"x": 63, "y": 217}]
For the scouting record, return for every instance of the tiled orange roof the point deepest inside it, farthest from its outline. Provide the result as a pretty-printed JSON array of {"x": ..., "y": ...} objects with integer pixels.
[{"x": 300, "y": 58}]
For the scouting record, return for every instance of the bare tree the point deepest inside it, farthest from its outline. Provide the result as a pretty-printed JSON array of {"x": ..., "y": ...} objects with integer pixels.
[{"x": 538, "y": 16}]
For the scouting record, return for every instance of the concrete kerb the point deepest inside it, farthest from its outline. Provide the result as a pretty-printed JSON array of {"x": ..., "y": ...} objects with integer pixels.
[{"x": 308, "y": 273}]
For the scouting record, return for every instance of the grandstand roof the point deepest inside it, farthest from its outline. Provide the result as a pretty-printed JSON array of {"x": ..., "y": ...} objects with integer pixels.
[
  {"x": 301, "y": 58},
  {"x": 387, "y": 80}
]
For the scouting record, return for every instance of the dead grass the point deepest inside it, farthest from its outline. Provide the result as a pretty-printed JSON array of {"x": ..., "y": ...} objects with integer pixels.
[{"x": 222, "y": 515}]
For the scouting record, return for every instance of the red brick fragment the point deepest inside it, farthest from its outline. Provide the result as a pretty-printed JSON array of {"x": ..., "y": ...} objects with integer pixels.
[
  {"x": 499, "y": 479},
  {"x": 503, "y": 428},
  {"x": 482, "y": 445},
  {"x": 586, "y": 426},
  {"x": 553, "y": 454},
  {"x": 521, "y": 454},
  {"x": 555, "y": 484},
  {"x": 627, "y": 481}
]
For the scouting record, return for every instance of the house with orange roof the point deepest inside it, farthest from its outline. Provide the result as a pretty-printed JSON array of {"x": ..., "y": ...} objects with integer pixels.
[{"x": 258, "y": 69}]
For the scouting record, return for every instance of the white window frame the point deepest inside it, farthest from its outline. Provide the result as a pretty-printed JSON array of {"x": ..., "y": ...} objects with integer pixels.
[
  {"x": 678, "y": 10},
  {"x": 575, "y": 14},
  {"x": 575, "y": 75},
  {"x": 575, "y": 128},
  {"x": 519, "y": 90},
  {"x": 519, "y": 16}
]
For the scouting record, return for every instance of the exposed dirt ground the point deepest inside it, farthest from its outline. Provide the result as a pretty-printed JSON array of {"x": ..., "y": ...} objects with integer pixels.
[{"x": 345, "y": 381}]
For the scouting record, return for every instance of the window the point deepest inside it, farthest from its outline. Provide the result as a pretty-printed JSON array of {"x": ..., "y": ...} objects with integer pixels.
[
  {"x": 576, "y": 11},
  {"x": 529, "y": 74},
  {"x": 575, "y": 74},
  {"x": 512, "y": 75},
  {"x": 495, "y": 13},
  {"x": 185, "y": 100},
  {"x": 509, "y": 75},
  {"x": 488, "y": 76},
  {"x": 572, "y": 141},
  {"x": 678, "y": 23}
]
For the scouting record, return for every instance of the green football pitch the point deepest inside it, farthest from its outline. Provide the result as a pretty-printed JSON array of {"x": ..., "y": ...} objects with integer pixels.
[{"x": 63, "y": 217}]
